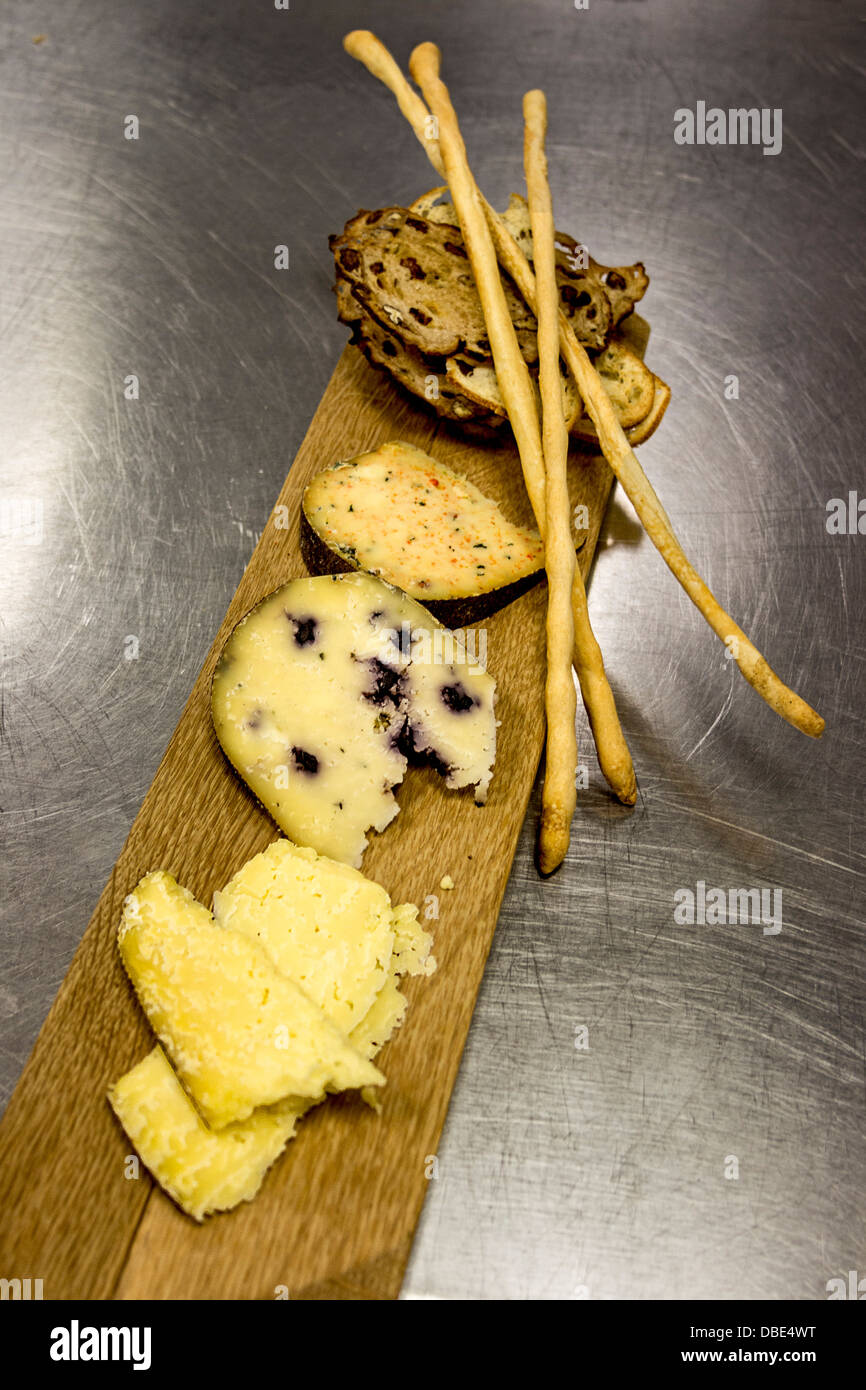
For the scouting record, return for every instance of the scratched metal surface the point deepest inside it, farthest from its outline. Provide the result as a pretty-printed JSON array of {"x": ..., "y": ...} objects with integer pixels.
[{"x": 564, "y": 1173}]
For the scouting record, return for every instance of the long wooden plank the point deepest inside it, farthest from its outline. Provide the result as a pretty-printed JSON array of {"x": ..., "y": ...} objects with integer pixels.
[{"x": 336, "y": 1216}]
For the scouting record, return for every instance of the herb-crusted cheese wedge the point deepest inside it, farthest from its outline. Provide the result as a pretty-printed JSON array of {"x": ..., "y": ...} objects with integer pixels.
[
  {"x": 239, "y": 1034},
  {"x": 202, "y": 1169},
  {"x": 323, "y": 690},
  {"x": 398, "y": 514}
]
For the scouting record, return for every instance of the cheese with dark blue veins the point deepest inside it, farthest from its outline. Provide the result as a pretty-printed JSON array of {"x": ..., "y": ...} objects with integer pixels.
[{"x": 324, "y": 692}]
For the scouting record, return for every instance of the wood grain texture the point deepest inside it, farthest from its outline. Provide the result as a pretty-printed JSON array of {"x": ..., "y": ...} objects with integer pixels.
[{"x": 336, "y": 1215}]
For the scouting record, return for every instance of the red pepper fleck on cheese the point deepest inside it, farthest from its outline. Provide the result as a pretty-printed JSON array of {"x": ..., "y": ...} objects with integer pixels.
[{"x": 399, "y": 514}]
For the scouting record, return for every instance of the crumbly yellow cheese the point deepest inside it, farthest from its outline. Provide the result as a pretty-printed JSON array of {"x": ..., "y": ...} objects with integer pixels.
[
  {"x": 202, "y": 1169},
  {"x": 411, "y": 943},
  {"x": 316, "y": 919},
  {"x": 239, "y": 1034},
  {"x": 397, "y": 513},
  {"x": 323, "y": 687},
  {"x": 384, "y": 1015},
  {"x": 323, "y": 924},
  {"x": 333, "y": 932}
]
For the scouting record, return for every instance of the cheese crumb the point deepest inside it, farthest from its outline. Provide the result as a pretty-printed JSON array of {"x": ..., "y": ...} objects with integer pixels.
[{"x": 447, "y": 882}]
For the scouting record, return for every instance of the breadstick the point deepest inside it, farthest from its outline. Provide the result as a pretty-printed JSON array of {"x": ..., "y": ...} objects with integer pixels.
[
  {"x": 367, "y": 49},
  {"x": 517, "y": 392},
  {"x": 619, "y": 454},
  {"x": 559, "y": 794},
  {"x": 512, "y": 372},
  {"x": 637, "y": 487}
]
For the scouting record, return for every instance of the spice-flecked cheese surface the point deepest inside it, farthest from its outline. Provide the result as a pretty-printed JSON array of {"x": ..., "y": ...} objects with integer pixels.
[
  {"x": 204, "y": 1170},
  {"x": 398, "y": 514},
  {"x": 326, "y": 686},
  {"x": 240, "y": 1035}
]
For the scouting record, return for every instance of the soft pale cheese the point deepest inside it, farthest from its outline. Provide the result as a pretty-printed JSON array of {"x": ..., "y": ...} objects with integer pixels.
[
  {"x": 397, "y": 513},
  {"x": 239, "y": 1033},
  {"x": 204, "y": 1170},
  {"x": 322, "y": 690},
  {"x": 323, "y": 924}
]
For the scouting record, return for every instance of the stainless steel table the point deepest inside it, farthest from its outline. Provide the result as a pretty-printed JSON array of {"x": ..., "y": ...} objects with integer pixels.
[{"x": 704, "y": 1136}]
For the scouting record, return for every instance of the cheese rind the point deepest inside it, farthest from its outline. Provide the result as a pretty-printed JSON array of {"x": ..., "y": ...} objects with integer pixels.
[
  {"x": 202, "y": 1169},
  {"x": 323, "y": 688},
  {"x": 239, "y": 1034},
  {"x": 398, "y": 514}
]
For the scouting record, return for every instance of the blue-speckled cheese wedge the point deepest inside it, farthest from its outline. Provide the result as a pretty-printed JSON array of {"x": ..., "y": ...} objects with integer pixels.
[{"x": 323, "y": 689}]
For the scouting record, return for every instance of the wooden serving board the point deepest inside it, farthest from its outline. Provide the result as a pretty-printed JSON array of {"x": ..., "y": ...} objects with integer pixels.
[{"x": 336, "y": 1215}]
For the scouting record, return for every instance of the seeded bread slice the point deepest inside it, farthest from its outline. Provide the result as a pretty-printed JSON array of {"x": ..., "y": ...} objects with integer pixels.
[
  {"x": 458, "y": 388},
  {"x": 578, "y": 271},
  {"x": 423, "y": 376},
  {"x": 386, "y": 314},
  {"x": 413, "y": 276},
  {"x": 631, "y": 386},
  {"x": 623, "y": 285},
  {"x": 479, "y": 383},
  {"x": 585, "y": 430},
  {"x": 627, "y": 380},
  {"x": 469, "y": 393},
  {"x": 430, "y": 206},
  {"x": 411, "y": 273}
]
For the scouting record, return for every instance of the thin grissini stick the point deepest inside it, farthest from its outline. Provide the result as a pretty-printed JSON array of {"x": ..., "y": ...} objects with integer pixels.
[
  {"x": 519, "y": 397},
  {"x": 614, "y": 758},
  {"x": 559, "y": 795},
  {"x": 512, "y": 372},
  {"x": 614, "y": 445},
  {"x": 637, "y": 487},
  {"x": 367, "y": 49}
]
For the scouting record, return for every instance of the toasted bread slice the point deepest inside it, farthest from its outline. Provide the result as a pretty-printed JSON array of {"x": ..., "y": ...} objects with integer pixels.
[
  {"x": 478, "y": 382},
  {"x": 423, "y": 377},
  {"x": 428, "y": 205},
  {"x": 405, "y": 287},
  {"x": 630, "y": 385},
  {"x": 627, "y": 380},
  {"x": 623, "y": 285},
  {"x": 413, "y": 276},
  {"x": 348, "y": 309},
  {"x": 468, "y": 392},
  {"x": 584, "y": 429},
  {"x": 411, "y": 272}
]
